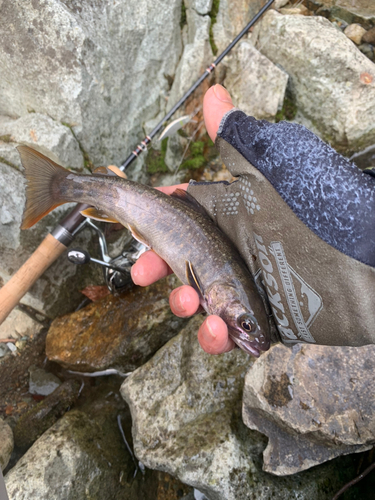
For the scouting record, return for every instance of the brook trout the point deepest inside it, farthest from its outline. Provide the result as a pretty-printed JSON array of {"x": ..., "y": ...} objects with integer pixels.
[{"x": 176, "y": 227}]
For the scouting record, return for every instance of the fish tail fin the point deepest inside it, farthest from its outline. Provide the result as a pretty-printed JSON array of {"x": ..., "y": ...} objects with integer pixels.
[{"x": 43, "y": 178}]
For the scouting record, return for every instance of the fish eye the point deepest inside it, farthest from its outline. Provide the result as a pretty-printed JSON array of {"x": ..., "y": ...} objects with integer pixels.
[{"x": 248, "y": 323}]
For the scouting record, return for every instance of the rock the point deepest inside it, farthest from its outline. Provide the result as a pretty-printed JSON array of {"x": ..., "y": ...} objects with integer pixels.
[
  {"x": 298, "y": 10},
  {"x": 201, "y": 6},
  {"x": 84, "y": 456},
  {"x": 175, "y": 151},
  {"x": 328, "y": 87},
  {"x": 116, "y": 332},
  {"x": 246, "y": 69},
  {"x": 12, "y": 200},
  {"x": 43, "y": 133},
  {"x": 7, "y": 443},
  {"x": 369, "y": 36},
  {"x": 355, "y": 32},
  {"x": 18, "y": 325},
  {"x": 365, "y": 159},
  {"x": 99, "y": 67},
  {"x": 39, "y": 419},
  {"x": 41, "y": 382},
  {"x": 367, "y": 50},
  {"x": 8, "y": 153},
  {"x": 196, "y": 56},
  {"x": 360, "y": 11},
  {"x": 313, "y": 402},
  {"x": 232, "y": 17},
  {"x": 185, "y": 406}
]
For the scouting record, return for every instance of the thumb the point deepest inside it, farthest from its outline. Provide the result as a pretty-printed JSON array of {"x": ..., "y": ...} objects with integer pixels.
[{"x": 217, "y": 101}]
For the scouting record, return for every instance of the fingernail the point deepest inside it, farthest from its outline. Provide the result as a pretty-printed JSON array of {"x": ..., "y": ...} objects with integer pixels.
[
  {"x": 177, "y": 303},
  {"x": 222, "y": 94},
  {"x": 208, "y": 333}
]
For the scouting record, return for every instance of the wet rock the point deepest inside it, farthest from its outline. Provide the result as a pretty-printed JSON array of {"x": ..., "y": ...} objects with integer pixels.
[
  {"x": 367, "y": 50},
  {"x": 119, "y": 332},
  {"x": 74, "y": 64},
  {"x": 355, "y": 32},
  {"x": 186, "y": 414},
  {"x": 313, "y": 402},
  {"x": 330, "y": 88},
  {"x": 39, "y": 419},
  {"x": 7, "y": 443},
  {"x": 369, "y": 36},
  {"x": 358, "y": 11},
  {"x": 246, "y": 69},
  {"x": 8, "y": 153},
  {"x": 84, "y": 456},
  {"x": 41, "y": 382},
  {"x": 51, "y": 138}
]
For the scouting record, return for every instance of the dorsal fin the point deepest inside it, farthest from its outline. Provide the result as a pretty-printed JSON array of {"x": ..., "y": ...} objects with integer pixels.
[{"x": 189, "y": 200}]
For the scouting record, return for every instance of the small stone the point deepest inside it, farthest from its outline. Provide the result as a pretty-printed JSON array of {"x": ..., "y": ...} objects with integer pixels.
[
  {"x": 6, "y": 443},
  {"x": 355, "y": 32},
  {"x": 369, "y": 36},
  {"x": 41, "y": 382},
  {"x": 367, "y": 50},
  {"x": 300, "y": 10}
]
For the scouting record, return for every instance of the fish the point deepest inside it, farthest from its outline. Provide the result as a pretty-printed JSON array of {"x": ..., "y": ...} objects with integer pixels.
[{"x": 176, "y": 227}]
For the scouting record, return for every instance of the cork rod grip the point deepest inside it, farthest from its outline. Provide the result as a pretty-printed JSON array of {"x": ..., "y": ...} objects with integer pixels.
[{"x": 12, "y": 292}]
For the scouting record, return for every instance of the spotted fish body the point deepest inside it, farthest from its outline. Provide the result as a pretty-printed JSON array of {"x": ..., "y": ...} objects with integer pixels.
[{"x": 176, "y": 227}]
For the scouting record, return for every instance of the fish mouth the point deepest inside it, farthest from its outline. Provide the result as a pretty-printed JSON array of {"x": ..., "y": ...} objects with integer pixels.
[{"x": 254, "y": 346}]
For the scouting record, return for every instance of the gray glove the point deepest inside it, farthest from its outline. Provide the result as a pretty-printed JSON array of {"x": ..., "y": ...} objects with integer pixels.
[{"x": 303, "y": 219}]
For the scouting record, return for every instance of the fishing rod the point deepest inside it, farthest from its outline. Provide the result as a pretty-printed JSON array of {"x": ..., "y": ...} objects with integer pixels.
[{"x": 64, "y": 233}]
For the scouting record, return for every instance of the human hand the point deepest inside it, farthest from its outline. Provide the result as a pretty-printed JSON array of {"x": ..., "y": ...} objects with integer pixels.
[{"x": 184, "y": 300}]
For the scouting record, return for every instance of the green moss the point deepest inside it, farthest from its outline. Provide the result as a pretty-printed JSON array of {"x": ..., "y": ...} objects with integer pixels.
[
  {"x": 183, "y": 20},
  {"x": 5, "y": 138},
  {"x": 287, "y": 112},
  {"x": 3, "y": 160},
  {"x": 155, "y": 159},
  {"x": 213, "y": 14},
  {"x": 196, "y": 158}
]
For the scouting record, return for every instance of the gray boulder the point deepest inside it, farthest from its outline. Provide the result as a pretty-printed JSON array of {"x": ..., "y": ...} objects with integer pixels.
[
  {"x": 100, "y": 67},
  {"x": 185, "y": 406},
  {"x": 48, "y": 136},
  {"x": 330, "y": 80},
  {"x": 255, "y": 83},
  {"x": 313, "y": 402}
]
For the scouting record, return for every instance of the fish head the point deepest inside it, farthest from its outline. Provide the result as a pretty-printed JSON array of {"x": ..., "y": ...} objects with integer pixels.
[{"x": 249, "y": 332}]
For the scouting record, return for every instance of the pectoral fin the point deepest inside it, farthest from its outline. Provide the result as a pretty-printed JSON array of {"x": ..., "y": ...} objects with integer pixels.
[
  {"x": 193, "y": 279},
  {"x": 95, "y": 214}
]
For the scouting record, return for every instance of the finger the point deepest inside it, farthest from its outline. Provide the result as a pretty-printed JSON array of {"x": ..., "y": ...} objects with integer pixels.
[
  {"x": 184, "y": 301},
  {"x": 213, "y": 336},
  {"x": 149, "y": 268},
  {"x": 170, "y": 189},
  {"x": 217, "y": 101}
]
